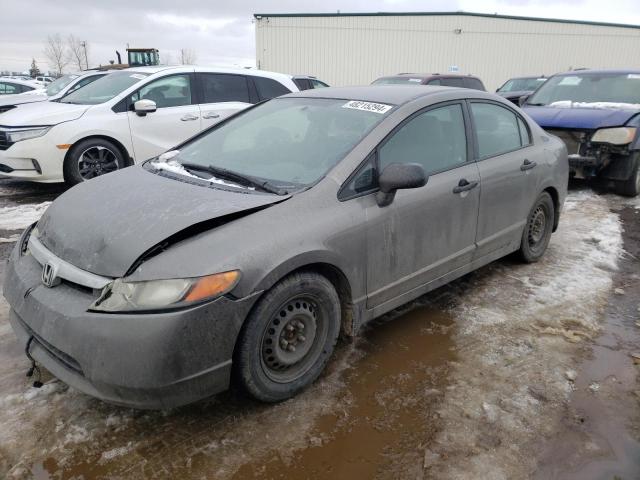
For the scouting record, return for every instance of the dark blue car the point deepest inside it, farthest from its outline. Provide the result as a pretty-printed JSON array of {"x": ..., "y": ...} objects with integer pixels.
[{"x": 597, "y": 114}]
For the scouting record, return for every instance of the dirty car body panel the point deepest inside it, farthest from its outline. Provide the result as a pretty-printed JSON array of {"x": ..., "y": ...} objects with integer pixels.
[{"x": 144, "y": 224}]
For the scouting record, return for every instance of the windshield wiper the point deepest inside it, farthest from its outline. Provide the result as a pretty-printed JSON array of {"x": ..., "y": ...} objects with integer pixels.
[
  {"x": 245, "y": 180},
  {"x": 536, "y": 104}
]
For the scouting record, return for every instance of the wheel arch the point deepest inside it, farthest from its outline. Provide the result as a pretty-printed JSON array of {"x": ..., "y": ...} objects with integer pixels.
[{"x": 555, "y": 196}]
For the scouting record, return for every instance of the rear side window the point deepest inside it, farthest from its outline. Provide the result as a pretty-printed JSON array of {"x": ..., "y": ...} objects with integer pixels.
[
  {"x": 269, "y": 88},
  {"x": 453, "y": 82},
  {"x": 474, "y": 83},
  {"x": 217, "y": 87},
  {"x": 497, "y": 129},
  {"x": 525, "y": 138},
  {"x": 7, "y": 88},
  {"x": 434, "y": 82},
  {"x": 302, "y": 83},
  {"x": 435, "y": 139}
]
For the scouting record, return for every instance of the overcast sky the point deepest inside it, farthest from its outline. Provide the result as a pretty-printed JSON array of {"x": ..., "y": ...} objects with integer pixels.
[{"x": 221, "y": 32}]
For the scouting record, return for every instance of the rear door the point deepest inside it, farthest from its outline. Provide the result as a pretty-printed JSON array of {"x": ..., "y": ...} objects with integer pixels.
[
  {"x": 507, "y": 161},
  {"x": 426, "y": 232},
  {"x": 222, "y": 95},
  {"x": 177, "y": 116}
]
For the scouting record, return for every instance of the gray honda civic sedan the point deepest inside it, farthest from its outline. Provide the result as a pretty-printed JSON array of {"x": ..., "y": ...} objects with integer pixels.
[{"x": 243, "y": 254}]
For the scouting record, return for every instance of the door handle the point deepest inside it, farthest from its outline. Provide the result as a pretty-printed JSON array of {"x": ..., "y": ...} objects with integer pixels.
[
  {"x": 527, "y": 165},
  {"x": 210, "y": 115},
  {"x": 188, "y": 117},
  {"x": 464, "y": 185}
]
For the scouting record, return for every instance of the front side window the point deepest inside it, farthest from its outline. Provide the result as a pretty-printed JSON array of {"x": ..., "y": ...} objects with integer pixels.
[
  {"x": 218, "y": 87},
  {"x": 104, "y": 89},
  {"x": 435, "y": 139},
  {"x": 497, "y": 129},
  {"x": 84, "y": 81},
  {"x": 269, "y": 88},
  {"x": 171, "y": 91},
  {"x": 287, "y": 141},
  {"x": 365, "y": 180}
]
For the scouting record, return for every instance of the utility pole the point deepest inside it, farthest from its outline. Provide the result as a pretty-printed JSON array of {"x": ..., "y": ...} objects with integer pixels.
[{"x": 86, "y": 59}]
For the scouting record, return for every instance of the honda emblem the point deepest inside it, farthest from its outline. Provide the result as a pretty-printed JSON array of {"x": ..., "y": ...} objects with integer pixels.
[{"x": 49, "y": 275}]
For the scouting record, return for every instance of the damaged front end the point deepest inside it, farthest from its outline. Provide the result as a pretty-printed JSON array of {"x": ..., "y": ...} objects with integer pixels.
[{"x": 606, "y": 153}]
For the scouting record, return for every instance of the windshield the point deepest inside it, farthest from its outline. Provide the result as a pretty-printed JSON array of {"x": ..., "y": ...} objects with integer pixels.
[
  {"x": 104, "y": 89},
  {"x": 54, "y": 87},
  {"x": 522, "y": 84},
  {"x": 398, "y": 81},
  {"x": 288, "y": 142},
  {"x": 589, "y": 88}
]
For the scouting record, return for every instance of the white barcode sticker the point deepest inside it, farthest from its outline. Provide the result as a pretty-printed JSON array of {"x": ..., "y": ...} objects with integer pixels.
[{"x": 368, "y": 106}]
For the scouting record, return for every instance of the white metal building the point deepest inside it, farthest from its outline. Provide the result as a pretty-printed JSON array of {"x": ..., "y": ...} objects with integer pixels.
[{"x": 356, "y": 48}]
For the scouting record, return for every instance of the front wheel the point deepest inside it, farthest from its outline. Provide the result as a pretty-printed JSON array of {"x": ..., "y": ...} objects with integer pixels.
[
  {"x": 288, "y": 338},
  {"x": 537, "y": 231},
  {"x": 91, "y": 158}
]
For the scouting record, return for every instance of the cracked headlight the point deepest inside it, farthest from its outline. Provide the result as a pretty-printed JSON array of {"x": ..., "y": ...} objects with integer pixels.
[
  {"x": 123, "y": 296},
  {"x": 615, "y": 136}
]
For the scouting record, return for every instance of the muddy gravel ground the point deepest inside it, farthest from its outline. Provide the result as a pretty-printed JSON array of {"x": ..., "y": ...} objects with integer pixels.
[{"x": 514, "y": 371}]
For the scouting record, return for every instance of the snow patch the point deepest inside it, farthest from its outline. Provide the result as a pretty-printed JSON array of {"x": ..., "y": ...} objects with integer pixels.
[
  {"x": 21, "y": 216},
  {"x": 174, "y": 166},
  {"x": 600, "y": 105}
]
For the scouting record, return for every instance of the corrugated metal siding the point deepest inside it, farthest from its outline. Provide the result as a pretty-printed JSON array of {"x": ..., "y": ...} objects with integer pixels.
[{"x": 348, "y": 50}]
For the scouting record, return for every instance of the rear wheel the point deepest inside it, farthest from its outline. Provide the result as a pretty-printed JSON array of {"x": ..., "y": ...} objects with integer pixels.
[
  {"x": 91, "y": 158},
  {"x": 537, "y": 231},
  {"x": 287, "y": 340},
  {"x": 631, "y": 186}
]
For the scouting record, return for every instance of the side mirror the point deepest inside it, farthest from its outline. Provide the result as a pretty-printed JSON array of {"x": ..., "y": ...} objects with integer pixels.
[
  {"x": 144, "y": 106},
  {"x": 399, "y": 176},
  {"x": 523, "y": 99}
]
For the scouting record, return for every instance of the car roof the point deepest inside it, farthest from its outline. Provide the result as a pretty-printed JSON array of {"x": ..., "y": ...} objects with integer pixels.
[
  {"x": 429, "y": 75},
  {"x": 589, "y": 71},
  {"x": 200, "y": 68},
  {"x": 389, "y": 94},
  {"x": 29, "y": 83}
]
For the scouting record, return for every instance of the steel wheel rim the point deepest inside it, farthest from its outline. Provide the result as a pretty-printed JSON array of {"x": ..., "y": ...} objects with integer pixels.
[
  {"x": 95, "y": 161},
  {"x": 293, "y": 339},
  {"x": 537, "y": 227}
]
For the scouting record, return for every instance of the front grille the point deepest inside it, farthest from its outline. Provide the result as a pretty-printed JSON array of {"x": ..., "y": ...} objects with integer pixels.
[
  {"x": 4, "y": 140},
  {"x": 573, "y": 139}
]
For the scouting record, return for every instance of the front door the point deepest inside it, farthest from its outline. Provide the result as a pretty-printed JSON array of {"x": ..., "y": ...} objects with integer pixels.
[
  {"x": 429, "y": 231},
  {"x": 176, "y": 119}
]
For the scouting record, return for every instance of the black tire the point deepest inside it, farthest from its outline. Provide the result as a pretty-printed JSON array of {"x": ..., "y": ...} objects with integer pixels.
[
  {"x": 538, "y": 229},
  {"x": 631, "y": 186},
  {"x": 275, "y": 357},
  {"x": 91, "y": 158}
]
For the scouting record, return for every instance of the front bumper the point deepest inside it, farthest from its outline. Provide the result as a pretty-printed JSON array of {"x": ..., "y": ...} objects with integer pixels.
[
  {"x": 37, "y": 160},
  {"x": 154, "y": 361}
]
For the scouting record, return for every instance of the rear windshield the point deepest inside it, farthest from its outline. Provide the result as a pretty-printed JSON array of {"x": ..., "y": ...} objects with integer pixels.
[
  {"x": 622, "y": 88},
  {"x": 398, "y": 81},
  {"x": 522, "y": 84},
  {"x": 104, "y": 89}
]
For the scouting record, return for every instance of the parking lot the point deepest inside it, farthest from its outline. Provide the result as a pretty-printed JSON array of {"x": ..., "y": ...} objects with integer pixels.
[{"x": 510, "y": 372}]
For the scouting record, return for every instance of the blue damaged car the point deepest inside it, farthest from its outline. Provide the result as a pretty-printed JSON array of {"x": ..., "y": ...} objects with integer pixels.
[{"x": 597, "y": 114}]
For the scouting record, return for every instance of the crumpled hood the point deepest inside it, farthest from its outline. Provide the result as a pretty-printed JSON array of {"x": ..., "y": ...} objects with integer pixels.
[
  {"x": 103, "y": 226},
  {"x": 579, "y": 118},
  {"x": 42, "y": 113}
]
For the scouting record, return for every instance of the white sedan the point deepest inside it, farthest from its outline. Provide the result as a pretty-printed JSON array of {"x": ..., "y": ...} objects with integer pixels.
[
  {"x": 12, "y": 86},
  {"x": 125, "y": 117}
]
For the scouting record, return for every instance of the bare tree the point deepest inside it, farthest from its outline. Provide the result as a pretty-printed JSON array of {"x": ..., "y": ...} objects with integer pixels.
[
  {"x": 56, "y": 52},
  {"x": 187, "y": 56},
  {"x": 79, "y": 52}
]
